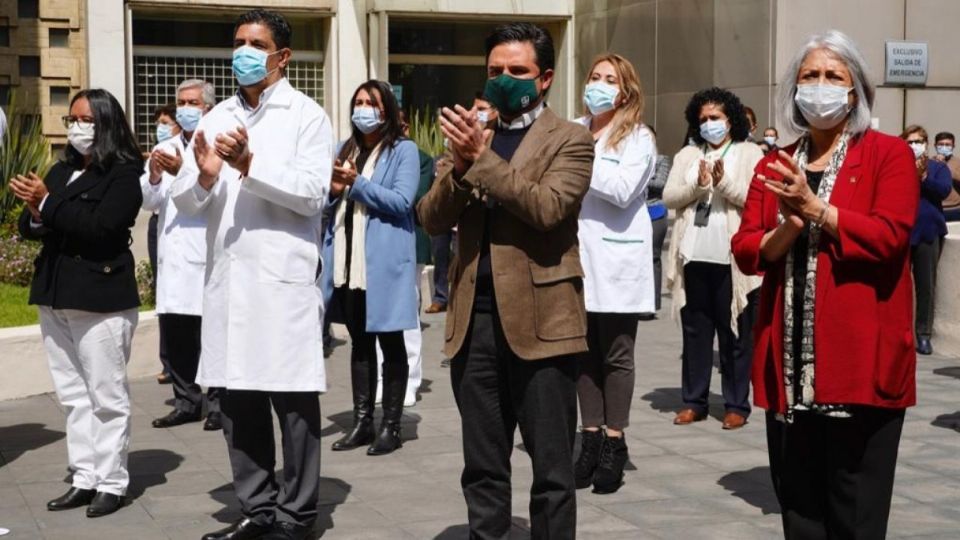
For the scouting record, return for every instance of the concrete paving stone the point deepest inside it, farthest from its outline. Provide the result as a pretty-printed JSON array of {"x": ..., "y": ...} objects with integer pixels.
[
  {"x": 595, "y": 521},
  {"x": 731, "y": 460},
  {"x": 736, "y": 530},
  {"x": 665, "y": 513},
  {"x": 97, "y": 530},
  {"x": 670, "y": 465},
  {"x": 918, "y": 519},
  {"x": 696, "y": 443}
]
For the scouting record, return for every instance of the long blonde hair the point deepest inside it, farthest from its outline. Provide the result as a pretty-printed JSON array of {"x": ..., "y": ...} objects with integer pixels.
[{"x": 629, "y": 113}]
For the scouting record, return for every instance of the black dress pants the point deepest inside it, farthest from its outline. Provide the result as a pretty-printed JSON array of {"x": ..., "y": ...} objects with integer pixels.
[
  {"x": 152, "y": 226},
  {"x": 834, "y": 476},
  {"x": 248, "y": 429},
  {"x": 659, "y": 236},
  {"x": 924, "y": 258},
  {"x": 709, "y": 290},
  {"x": 496, "y": 392},
  {"x": 605, "y": 383},
  {"x": 183, "y": 349}
]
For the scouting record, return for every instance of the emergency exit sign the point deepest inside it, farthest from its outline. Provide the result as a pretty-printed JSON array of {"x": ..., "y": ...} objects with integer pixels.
[{"x": 906, "y": 63}]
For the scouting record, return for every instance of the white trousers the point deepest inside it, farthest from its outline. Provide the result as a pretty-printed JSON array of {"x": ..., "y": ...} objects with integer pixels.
[{"x": 88, "y": 354}]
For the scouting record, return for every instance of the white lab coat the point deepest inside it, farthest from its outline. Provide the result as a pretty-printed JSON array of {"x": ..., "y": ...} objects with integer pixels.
[
  {"x": 262, "y": 305},
  {"x": 616, "y": 236},
  {"x": 181, "y": 242}
]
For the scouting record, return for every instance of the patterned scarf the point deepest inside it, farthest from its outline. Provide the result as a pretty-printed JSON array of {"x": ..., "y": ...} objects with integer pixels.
[{"x": 805, "y": 365}]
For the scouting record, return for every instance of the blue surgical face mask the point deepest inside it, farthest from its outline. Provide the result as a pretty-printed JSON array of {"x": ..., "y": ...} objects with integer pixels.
[
  {"x": 945, "y": 150},
  {"x": 600, "y": 97},
  {"x": 367, "y": 119},
  {"x": 714, "y": 131},
  {"x": 771, "y": 141},
  {"x": 188, "y": 118},
  {"x": 164, "y": 132},
  {"x": 250, "y": 65}
]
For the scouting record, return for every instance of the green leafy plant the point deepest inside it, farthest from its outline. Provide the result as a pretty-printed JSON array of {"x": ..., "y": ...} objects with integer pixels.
[
  {"x": 425, "y": 131},
  {"x": 145, "y": 285},
  {"x": 23, "y": 149}
]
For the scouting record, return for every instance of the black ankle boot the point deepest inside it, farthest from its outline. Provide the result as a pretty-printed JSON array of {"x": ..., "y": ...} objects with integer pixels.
[
  {"x": 359, "y": 435},
  {"x": 586, "y": 465},
  {"x": 613, "y": 456},
  {"x": 394, "y": 391}
]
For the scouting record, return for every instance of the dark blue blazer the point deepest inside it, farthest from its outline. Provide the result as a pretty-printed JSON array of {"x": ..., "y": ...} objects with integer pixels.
[{"x": 930, "y": 222}]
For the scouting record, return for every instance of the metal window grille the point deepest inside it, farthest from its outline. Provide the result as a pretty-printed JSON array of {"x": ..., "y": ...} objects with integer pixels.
[{"x": 156, "y": 77}]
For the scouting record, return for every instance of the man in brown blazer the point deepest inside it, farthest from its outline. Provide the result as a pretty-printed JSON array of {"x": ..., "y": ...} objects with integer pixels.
[{"x": 515, "y": 318}]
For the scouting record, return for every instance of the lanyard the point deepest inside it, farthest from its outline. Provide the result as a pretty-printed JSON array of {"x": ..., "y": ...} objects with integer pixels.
[{"x": 725, "y": 150}]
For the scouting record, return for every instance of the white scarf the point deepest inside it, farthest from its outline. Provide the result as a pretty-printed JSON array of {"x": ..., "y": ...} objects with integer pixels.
[{"x": 358, "y": 257}]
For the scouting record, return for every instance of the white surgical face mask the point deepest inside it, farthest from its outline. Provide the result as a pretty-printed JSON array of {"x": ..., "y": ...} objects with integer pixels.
[
  {"x": 714, "y": 131},
  {"x": 945, "y": 150},
  {"x": 483, "y": 116},
  {"x": 81, "y": 135},
  {"x": 823, "y": 106},
  {"x": 919, "y": 149}
]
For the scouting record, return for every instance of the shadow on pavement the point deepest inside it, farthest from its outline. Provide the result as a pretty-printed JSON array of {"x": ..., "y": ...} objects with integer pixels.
[
  {"x": 948, "y": 421},
  {"x": 149, "y": 468},
  {"x": 333, "y": 493},
  {"x": 753, "y": 487},
  {"x": 952, "y": 371},
  {"x": 343, "y": 421},
  {"x": 520, "y": 530},
  {"x": 19, "y": 439},
  {"x": 668, "y": 400}
]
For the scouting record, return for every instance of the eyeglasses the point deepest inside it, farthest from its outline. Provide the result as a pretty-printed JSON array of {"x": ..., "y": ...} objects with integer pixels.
[
  {"x": 912, "y": 141},
  {"x": 83, "y": 121}
]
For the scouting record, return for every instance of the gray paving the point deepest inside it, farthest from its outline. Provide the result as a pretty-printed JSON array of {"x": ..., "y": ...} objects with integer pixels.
[{"x": 684, "y": 483}]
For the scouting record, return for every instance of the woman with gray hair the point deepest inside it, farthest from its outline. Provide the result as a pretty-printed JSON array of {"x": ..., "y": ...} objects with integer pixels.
[{"x": 827, "y": 223}]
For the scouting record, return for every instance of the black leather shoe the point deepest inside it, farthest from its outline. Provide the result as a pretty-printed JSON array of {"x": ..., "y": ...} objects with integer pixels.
[
  {"x": 360, "y": 434},
  {"x": 613, "y": 457},
  {"x": 104, "y": 504},
  {"x": 388, "y": 440},
  {"x": 175, "y": 419},
  {"x": 289, "y": 531},
  {"x": 213, "y": 422},
  {"x": 245, "y": 529},
  {"x": 586, "y": 464},
  {"x": 73, "y": 498},
  {"x": 924, "y": 346}
]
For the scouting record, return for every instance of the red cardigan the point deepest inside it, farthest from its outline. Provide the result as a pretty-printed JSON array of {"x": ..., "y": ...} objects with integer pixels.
[{"x": 863, "y": 321}]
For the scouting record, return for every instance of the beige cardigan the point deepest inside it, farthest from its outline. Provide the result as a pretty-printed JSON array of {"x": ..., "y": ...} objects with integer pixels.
[{"x": 682, "y": 197}]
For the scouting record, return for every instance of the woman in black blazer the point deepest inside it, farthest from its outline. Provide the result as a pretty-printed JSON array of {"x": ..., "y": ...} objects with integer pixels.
[{"x": 86, "y": 290}]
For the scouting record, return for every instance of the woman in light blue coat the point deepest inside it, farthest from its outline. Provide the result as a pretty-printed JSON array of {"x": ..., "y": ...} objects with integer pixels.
[{"x": 369, "y": 255}]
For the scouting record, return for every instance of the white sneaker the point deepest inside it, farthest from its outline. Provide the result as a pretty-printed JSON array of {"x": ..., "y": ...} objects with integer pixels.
[{"x": 410, "y": 400}]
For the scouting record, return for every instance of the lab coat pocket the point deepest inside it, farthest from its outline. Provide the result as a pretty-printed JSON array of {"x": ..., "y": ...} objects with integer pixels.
[
  {"x": 291, "y": 263},
  {"x": 624, "y": 256}
]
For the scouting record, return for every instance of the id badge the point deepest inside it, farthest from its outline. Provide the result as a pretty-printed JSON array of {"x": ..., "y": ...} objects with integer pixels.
[{"x": 702, "y": 216}]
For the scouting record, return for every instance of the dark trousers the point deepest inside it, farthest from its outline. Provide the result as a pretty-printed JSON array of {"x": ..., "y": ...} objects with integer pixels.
[
  {"x": 440, "y": 250},
  {"x": 248, "y": 429},
  {"x": 605, "y": 384},
  {"x": 924, "y": 257},
  {"x": 152, "y": 253},
  {"x": 495, "y": 392},
  {"x": 363, "y": 351},
  {"x": 834, "y": 476},
  {"x": 183, "y": 349},
  {"x": 659, "y": 236},
  {"x": 709, "y": 290}
]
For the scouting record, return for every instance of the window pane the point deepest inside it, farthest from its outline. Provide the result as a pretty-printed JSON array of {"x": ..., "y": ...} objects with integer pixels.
[
  {"x": 28, "y": 9},
  {"x": 4, "y": 36},
  {"x": 433, "y": 86},
  {"x": 59, "y": 95},
  {"x": 421, "y": 37},
  {"x": 29, "y": 66},
  {"x": 307, "y": 34},
  {"x": 59, "y": 37}
]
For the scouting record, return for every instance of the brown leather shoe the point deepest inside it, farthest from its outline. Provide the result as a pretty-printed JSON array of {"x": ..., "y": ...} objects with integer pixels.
[
  {"x": 732, "y": 420},
  {"x": 688, "y": 416},
  {"x": 436, "y": 308}
]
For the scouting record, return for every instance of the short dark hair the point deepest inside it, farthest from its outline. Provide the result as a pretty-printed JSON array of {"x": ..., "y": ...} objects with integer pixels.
[
  {"x": 169, "y": 110},
  {"x": 731, "y": 105},
  {"x": 113, "y": 140},
  {"x": 391, "y": 128},
  {"x": 277, "y": 23},
  {"x": 943, "y": 136},
  {"x": 751, "y": 116},
  {"x": 524, "y": 32}
]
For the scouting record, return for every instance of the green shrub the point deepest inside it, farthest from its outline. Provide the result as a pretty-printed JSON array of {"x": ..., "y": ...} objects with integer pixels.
[
  {"x": 16, "y": 258},
  {"x": 425, "y": 131},
  {"x": 145, "y": 285},
  {"x": 23, "y": 149}
]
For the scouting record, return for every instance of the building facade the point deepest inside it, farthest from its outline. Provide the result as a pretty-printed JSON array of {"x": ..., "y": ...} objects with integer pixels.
[{"x": 432, "y": 50}]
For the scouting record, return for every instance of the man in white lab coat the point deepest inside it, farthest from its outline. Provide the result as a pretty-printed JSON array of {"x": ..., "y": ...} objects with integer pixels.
[
  {"x": 181, "y": 261},
  {"x": 259, "y": 168}
]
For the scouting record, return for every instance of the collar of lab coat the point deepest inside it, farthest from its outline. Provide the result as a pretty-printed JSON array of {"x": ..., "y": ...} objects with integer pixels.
[{"x": 279, "y": 94}]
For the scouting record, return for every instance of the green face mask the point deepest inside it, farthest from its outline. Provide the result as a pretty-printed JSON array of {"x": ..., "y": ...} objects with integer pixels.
[{"x": 511, "y": 95}]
